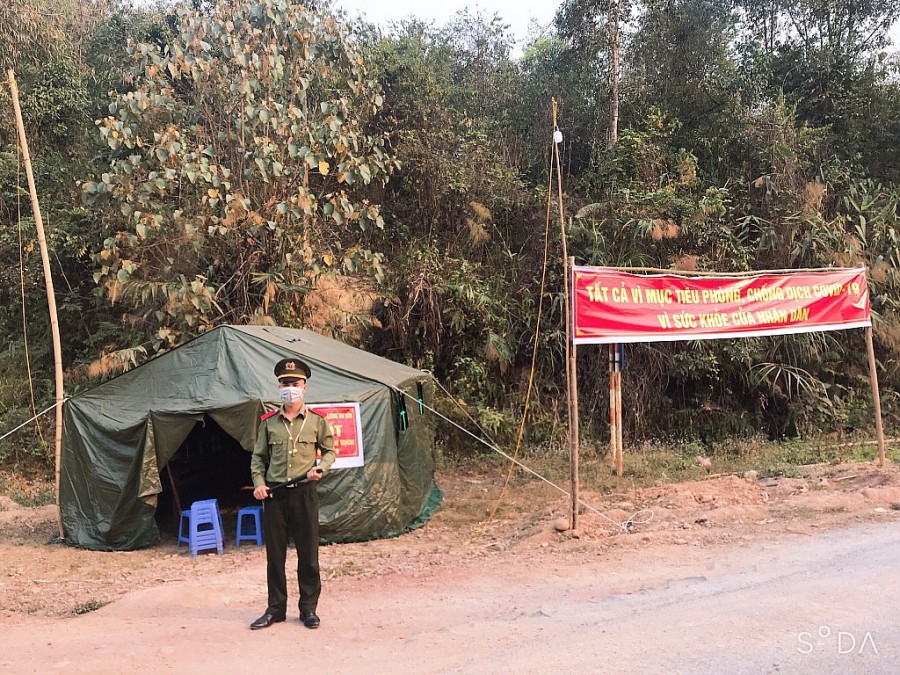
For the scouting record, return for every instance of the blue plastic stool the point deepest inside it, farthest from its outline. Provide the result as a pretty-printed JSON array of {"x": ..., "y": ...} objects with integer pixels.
[
  {"x": 204, "y": 526},
  {"x": 255, "y": 513},
  {"x": 184, "y": 524},
  {"x": 184, "y": 534}
]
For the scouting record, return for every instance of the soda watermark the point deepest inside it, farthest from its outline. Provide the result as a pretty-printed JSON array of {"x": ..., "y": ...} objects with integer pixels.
[{"x": 843, "y": 642}]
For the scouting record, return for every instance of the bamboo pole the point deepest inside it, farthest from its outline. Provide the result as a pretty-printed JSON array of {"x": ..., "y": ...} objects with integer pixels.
[
  {"x": 573, "y": 396},
  {"x": 51, "y": 297},
  {"x": 876, "y": 397},
  {"x": 706, "y": 273},
  {"x": 570, "y": 347}
]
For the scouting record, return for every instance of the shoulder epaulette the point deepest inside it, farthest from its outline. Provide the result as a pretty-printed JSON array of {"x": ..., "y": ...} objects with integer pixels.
[
  {"x": 269, "y": 414},
  {"x": 316, "y": 413}
]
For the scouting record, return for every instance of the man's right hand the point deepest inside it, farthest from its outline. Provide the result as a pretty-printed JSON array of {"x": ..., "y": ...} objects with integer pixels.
[{"x": 261, "y": 492}]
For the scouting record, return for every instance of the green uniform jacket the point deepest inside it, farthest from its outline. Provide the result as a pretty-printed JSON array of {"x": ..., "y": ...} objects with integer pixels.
[{"x": 286, "y": 449}]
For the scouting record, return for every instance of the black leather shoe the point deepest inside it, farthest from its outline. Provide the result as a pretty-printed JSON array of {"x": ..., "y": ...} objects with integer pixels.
[
  {"x": 265, "y": 621},
  {"x": 310, "y": 620}
]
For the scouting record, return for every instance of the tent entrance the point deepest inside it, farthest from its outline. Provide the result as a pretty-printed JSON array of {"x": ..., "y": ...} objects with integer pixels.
[{"x": 208, "y": 464}]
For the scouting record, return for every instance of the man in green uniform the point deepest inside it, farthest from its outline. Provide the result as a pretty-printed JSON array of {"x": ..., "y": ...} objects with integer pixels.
[{"x": 285, "y": 452}]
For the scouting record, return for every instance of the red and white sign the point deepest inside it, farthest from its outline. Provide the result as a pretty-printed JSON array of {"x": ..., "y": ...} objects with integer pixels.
[
  {"x": 611, "y": 306},
  {"x": 345, "y": 421}
]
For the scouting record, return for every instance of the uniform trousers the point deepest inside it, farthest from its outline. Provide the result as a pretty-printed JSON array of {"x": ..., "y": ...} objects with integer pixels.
[{"x": 292, "y": 513}]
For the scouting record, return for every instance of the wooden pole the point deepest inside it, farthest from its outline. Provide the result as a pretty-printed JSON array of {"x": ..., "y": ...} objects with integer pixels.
[
  {"x": 175, "y": 496},
  {"x": 615, "y": 409},
  {"x": 620, "y": 459},
  {"x": 876, "y": 397},
  {"x": 51, "y": 297},
  {"x": 613, "y": 420}
]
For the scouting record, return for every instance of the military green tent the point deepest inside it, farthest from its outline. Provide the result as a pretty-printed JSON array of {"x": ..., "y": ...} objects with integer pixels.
[{"x": 181, "y": 426}]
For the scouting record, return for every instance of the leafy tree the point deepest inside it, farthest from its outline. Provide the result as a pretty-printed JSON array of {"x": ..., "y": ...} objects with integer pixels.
[
  {"x": 596, "y": 34},
  {"x": 827, "y": 57},
  {"x": 45, "y": 46},
  {"x": 462, "y": 268},
  {"x": 246, "y": 146},
  {"x": 238, "y": 167},
  {"x": 28, "y": 32}
]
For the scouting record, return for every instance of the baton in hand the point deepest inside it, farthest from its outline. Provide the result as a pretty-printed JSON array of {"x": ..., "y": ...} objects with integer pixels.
[{"x": 300, "y": 480}]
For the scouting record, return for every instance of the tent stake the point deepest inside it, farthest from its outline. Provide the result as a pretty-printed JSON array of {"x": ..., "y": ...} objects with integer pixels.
[{"x": 51, "y": 297}]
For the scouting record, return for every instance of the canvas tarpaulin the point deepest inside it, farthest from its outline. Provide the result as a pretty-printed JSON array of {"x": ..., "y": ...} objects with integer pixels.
[{"x": 118, "y": 436}]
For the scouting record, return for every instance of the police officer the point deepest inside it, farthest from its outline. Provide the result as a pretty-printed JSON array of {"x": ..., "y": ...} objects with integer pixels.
[{"x": 285, "y": 452}]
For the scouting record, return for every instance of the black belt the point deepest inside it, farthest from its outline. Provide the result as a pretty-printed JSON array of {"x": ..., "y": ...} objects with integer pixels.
[{"x": 288, "y": 484}]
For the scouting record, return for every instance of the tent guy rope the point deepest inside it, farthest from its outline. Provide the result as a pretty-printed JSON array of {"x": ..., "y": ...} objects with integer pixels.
[
  {"x": 537, "y": 331},
  {"x": 638, "y": 517},
  {"x": 29, "y": 421}
]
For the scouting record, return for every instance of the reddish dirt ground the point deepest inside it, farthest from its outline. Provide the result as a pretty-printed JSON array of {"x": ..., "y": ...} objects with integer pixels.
[{"x": 41, "y": 579}]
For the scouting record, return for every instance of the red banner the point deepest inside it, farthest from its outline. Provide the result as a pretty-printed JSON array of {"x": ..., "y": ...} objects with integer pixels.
[
  {"x": 613, "y": 306},
  {"x": 348, "y": 441}
]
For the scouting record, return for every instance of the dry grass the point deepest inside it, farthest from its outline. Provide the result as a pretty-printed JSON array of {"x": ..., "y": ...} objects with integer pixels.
[
  {"x": 687, "y": 263},
  {"x": 664, "y": 228},
  {"x": 340, "y": 305},
  {"x": 813, "y": 194}
]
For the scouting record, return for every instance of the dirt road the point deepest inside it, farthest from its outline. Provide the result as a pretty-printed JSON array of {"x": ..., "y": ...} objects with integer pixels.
[{"x": 728, "y": 576}]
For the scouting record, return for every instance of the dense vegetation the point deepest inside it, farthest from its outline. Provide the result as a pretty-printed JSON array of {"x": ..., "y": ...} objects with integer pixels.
[{"x": 221, "y": 162}]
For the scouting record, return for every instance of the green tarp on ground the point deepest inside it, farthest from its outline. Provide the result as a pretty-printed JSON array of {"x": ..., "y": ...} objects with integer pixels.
[{"x": 118, "y": 436}]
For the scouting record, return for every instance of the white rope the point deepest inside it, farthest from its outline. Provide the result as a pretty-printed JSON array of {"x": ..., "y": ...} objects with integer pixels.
[
  {"x": 465, "y": 412},
  {"x": 637, "y": 518},
  {"x": 43, "y": 412}
]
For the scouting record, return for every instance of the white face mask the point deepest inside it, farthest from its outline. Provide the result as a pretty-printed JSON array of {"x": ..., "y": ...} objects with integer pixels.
[{"x": 290, "y": 394}]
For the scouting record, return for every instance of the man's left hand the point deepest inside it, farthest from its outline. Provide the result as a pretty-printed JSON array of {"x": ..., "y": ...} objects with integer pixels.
[{"x": 315, "y": 473}]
